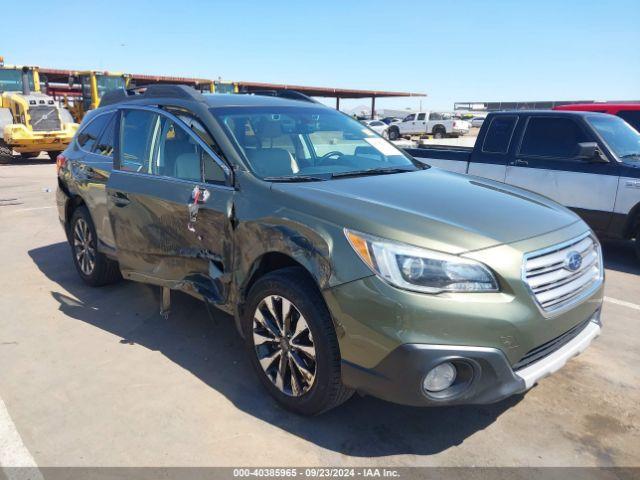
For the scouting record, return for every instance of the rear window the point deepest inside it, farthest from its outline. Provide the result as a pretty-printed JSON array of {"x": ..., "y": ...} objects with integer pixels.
[
  {"x": 552, "y": 137},
  {"x": 632, "y": 117},
  {"x": 136, "y": 132},
  {"x": 89, "y": 135},
  {"x": 499, "y": 134},
  {"x": 106, "y": 142}
]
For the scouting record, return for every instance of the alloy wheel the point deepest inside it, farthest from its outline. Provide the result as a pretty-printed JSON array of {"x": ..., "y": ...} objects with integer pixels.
[
  {"x": 83, "y": 246},
  {"x": 284, "y": 345}
]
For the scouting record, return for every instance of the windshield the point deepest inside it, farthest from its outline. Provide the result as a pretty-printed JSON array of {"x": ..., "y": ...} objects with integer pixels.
[
  {"x": 311, "y": 142},
  {"x": 621, "y": 137},
  {"x": 106, "y": 83},
  {"x": 11, "y": 80}
]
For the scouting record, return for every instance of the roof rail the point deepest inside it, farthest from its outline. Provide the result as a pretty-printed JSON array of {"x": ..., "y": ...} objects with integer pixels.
[
  {"x": 283, "y": 93},
  {"x": 151, "y": 91}
]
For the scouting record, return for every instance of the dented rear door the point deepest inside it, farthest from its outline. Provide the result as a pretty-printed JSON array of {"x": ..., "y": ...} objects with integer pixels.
[{"x": 170, "y": 225}]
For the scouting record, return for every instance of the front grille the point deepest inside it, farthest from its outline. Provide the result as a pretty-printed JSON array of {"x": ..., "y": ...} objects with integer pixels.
[
  {"x": 551, "y": 346},
  {"x": 44, "y": 118},
  {"x": 557, "y": 283}
]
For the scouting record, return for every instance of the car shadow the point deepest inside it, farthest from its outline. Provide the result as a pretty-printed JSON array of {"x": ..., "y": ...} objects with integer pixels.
[
  {"x": 40, "y": 160},
  {"x": 619, "y": 255},
  {"x": 211, "y": 349}
]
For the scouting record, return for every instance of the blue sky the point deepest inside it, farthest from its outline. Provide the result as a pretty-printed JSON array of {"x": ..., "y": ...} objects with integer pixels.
[{"x": 452, "y": 50}]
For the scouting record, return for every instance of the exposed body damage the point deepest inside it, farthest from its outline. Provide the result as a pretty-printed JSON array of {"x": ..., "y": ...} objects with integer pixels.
[{"x": 346, "y": 264}]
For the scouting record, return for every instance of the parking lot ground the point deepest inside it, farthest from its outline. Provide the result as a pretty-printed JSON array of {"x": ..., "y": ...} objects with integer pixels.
[{"x": 95, "y": 377}]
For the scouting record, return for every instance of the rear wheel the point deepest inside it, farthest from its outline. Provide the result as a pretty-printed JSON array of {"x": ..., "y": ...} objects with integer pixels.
[
  {"x": 95, "y": 268},
  {"x": 439, "y": 133},
  {"x": 292, "y": 343}
]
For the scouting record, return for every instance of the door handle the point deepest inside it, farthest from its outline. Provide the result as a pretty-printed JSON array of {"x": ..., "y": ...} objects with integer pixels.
[
  {"x": 91, "y": 173},
  {"x": 521, "y": 163},
  {"x": 120, "y": 199}
]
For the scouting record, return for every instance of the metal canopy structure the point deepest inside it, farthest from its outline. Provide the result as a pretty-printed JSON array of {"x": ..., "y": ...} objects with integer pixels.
[
  {"x": 328, "y": 92},
  {"x": 58, "y": 76},
  {"x": 62, "y": 76}
]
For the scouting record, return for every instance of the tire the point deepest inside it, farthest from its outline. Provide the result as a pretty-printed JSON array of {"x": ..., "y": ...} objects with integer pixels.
[
  {"x": 95, "y": 268},
  {"x": 5, "y": 150},
  {"x": 29, "y": 156},
  {"x": 637, "y": 243},
  {"x": 307, "y": 387},
  {"x": 439, "y": 133},
  {"x": 394, "y": 134}
]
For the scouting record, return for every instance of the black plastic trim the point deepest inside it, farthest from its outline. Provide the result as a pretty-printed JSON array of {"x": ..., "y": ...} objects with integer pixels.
[{"x": 398, "y": 377}]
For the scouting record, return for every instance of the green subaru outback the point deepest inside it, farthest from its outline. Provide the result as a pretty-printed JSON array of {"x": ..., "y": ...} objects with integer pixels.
[{"x": 347, "y": 265}]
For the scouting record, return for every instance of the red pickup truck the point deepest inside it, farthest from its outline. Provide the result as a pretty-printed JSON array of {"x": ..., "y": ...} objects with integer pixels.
[{"x": 629, "y": 112}]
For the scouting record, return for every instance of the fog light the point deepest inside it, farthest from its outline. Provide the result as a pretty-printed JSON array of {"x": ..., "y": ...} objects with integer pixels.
[{"x": 440, "y": 377}]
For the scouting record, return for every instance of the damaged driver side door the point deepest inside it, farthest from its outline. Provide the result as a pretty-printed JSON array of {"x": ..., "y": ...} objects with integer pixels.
[{"x": 168, "y": 198}]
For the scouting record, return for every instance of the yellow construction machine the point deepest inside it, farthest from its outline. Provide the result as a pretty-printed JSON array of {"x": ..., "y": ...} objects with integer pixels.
[
  {"x": 218, "y": 86},
  {"x": 93, "y": 84},
  {"x": 30, "y": 121}
]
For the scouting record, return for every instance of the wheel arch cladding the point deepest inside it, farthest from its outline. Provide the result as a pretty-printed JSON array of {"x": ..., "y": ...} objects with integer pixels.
[
  {"x": 633, "y": 221},
  {"x": 266, "y": 248},
  {"x": 296, "y": 241},
  {"x": 75, "y": 202}
]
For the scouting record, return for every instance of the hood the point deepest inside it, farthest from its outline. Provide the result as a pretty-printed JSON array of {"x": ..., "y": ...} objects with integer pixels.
[{"x": 430, "y": 208}]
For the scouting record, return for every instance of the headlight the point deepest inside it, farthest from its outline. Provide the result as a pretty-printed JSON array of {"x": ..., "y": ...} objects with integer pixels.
[{"x": 419, "y": 269}]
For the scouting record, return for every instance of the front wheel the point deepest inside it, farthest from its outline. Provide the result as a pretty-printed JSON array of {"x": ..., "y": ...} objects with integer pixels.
[
  {"x": 393, "y": 133},
  {"x": 292, "y": 343},
  {"x": 95, "y": 268}
]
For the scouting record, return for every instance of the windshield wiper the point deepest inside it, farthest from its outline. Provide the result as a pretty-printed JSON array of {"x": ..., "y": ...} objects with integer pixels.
[
  {"x": 294, "y": 178},
  {"x": 370, "y": 171},
  {"x": 629, "y": 155}
]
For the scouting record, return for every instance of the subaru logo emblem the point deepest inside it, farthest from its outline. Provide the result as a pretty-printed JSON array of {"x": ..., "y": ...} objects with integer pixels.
[{"x": 573, "y": 261}]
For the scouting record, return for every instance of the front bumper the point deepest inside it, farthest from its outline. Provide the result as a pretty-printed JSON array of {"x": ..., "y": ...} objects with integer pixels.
[
  {"x": 488, "y": 376},
  {"x": 24, "y": 140},
  {"x": 500, "y": 333}
]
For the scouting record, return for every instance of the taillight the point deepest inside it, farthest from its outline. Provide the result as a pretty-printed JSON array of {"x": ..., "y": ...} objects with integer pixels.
[{"x": 61, "y": 162}]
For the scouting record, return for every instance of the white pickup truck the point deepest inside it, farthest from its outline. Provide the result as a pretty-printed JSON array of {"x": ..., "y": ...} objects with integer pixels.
[
  {"x": 440, "y": 125},
  {"x": 587, "y": 161}
]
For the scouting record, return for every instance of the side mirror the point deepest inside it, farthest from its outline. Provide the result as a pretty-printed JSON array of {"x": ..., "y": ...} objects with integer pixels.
[{"x": 590, "y": 152}]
